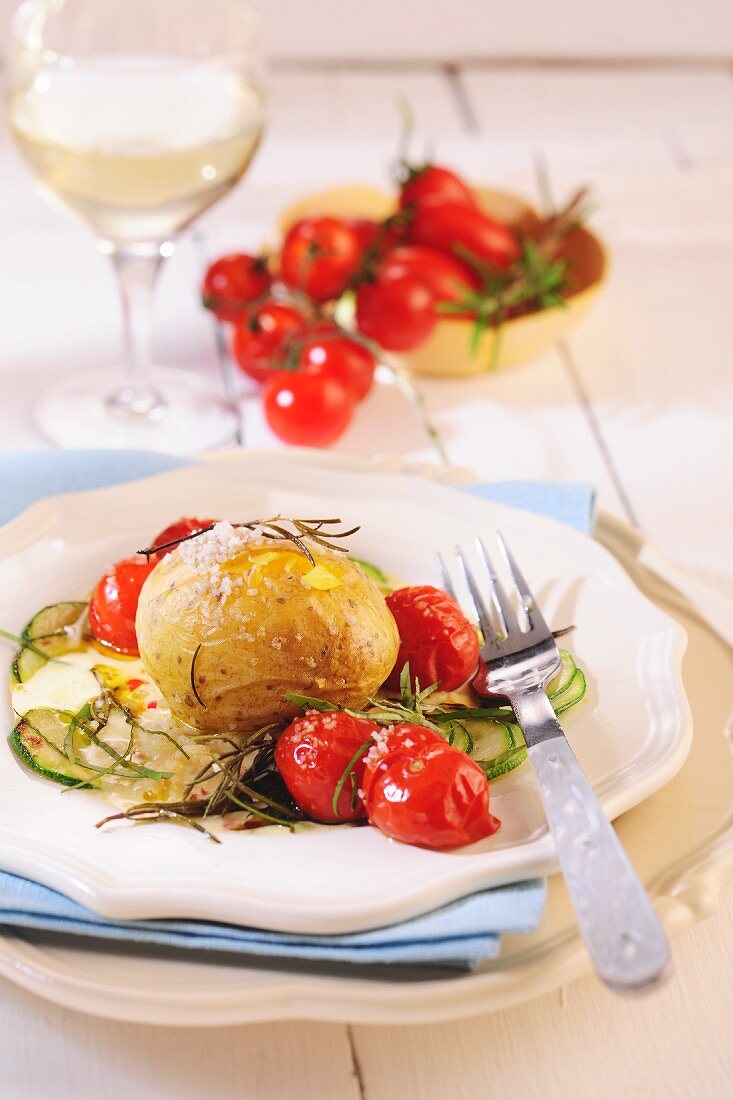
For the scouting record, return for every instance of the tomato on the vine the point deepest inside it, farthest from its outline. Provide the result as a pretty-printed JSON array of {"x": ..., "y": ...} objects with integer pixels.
[
  {"x": 319, "y": 255},
  {"x": 313, "y": 756},
  {"x": 232, "y": 282},
  {"x": 421, "y": 791},
  {"x": 259, "y": 338},
  {"x": 307, "y": 410},
  {"x": 366, "y": 230},
  {"x": 452, "y": 227},
  {"x": 113, "y": 606},
  {"x": 444, "y": 275},
  {"x": 396, "y": 311},
  {"x": 347, "y": 360},
  {"x": 436, "y": 638},
  {"x": 175, "y": 532},
  {"x": 432, "y": 183}
]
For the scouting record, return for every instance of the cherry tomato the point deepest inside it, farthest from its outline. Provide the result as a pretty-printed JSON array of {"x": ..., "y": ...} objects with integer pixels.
[
  {"x": 396, "y": 311},
  {"x": 349, "y": 361},
  {"x": 445, "y": 276},
  {"x": 258, "y": 340},
  {"x": 175, "y": 532},
  {"x": 389, "y": 740},
  {"x": 446, "y": 225},
  {"x": 435, "y": 637},
  {"x": 308, "y": 410},
  {"x": 425, "y": 792},
  {"x": 319, "y": 256},
  {"x": 432, "y": 183},
  {"x": 312, "y": 755},
  {"x": 234, "y": 281},
  {"x": 366, "y": 230},
  {"x": 113, "y": 605},
  {"x": 377, "y": 236}
]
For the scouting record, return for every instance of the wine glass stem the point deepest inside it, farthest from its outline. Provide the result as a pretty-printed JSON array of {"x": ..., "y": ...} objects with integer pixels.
[{"x": 137, "y": 272}]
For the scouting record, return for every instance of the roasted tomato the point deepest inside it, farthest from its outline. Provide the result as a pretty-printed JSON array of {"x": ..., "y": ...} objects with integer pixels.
[
  {"x": 436, "y": 638},
  {"x": 113, "y": 605},
  {"x": 421, "y": 791},
  {"x": 174, "y": 533},
  {"x": 389, "y": 740},
  {"x": 313, "y": 756}
]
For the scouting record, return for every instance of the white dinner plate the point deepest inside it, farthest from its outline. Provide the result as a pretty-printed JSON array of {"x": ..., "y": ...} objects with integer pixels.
[{"x": 631, "y": 734}]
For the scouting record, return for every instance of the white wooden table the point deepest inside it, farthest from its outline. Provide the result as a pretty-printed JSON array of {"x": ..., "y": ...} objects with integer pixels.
[{"x": 639, "y": 401}]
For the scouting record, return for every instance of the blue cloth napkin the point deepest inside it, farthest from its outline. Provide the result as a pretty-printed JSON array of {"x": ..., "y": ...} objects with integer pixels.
[{"x": 458, "y": 935}]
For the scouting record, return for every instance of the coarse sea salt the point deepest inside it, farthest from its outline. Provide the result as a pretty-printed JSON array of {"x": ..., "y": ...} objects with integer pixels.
[
  {"x": 205, "y": 554},
  {"x": 218, "y": 545},
  {"x": 378, "y": 749}
]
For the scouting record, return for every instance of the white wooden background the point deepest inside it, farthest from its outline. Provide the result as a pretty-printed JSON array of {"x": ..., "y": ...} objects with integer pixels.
[
  {"x": 459, "y": 30},
  {"x": 640, "y": 401}
]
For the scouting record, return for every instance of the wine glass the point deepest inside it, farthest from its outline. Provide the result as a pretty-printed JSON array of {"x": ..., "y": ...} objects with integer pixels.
[{"x": 136, "y": 115}]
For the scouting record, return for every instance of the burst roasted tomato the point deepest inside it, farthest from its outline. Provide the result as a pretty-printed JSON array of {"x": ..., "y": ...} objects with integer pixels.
[
  {"x": 389, "y": 740},
  {"x": 436, "y": 638},
  {"x": 424, "y": 792},
  {"x": 313, "y": 755},
  {"x": 175, "y": 532},
  {"x": 113, "y": 606}
]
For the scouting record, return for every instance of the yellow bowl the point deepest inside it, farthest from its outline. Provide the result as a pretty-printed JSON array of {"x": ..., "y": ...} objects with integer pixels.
[{"x": 448, "y": 352}]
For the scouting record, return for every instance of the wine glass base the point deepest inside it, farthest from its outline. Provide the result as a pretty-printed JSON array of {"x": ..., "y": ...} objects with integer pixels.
[{"x": 189, "y": 416}]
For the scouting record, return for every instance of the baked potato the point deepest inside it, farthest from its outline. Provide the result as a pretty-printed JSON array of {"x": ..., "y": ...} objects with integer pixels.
[{"x": 229, "y": 622}]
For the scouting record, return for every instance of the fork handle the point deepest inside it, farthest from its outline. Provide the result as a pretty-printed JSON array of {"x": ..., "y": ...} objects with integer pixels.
[{"x": 622, "y": 932}]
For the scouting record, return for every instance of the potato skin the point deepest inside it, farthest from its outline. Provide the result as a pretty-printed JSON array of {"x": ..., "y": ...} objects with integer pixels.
[{"x": 271, "y": 634}]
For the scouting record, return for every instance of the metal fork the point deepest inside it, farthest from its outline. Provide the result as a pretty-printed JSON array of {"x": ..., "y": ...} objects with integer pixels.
[{"x": 622, "y": 932}]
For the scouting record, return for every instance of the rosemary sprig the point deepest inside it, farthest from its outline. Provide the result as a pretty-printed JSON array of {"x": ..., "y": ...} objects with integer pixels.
[
  {"x": 194, "y": 689},
  {"x": 158, "y": 811},
  {"x": 249, "y": 783},
  {"x": 348, "y": 774},
  {"x": 26, "y": 643},
  {"x": 537, "y": 281},
  {"x": 279, "y": 529}
]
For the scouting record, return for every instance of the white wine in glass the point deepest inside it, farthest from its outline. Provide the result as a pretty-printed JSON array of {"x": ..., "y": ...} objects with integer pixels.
[{"x": 136, "y": 115}]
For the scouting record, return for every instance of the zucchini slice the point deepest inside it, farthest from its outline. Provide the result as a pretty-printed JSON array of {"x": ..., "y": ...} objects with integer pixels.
[
  {"x": 560, "y": 682},
  {"x": 52, "y": 631},
  {"x": 507, "y": 762},
  {"x": 38, "y": 743},
  {"x": 572, "y": 694},
  {"x": 498, "y": 757},
  {"x": 499, "y": 748},
  {"x": 459, "y": 737}
]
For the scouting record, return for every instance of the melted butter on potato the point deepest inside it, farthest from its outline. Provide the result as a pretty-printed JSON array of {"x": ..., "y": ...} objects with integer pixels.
[{"x": 256, "y": 621}]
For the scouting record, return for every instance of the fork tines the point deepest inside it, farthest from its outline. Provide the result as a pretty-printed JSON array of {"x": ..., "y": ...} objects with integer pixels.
[{"x": 503, "y": 616}]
